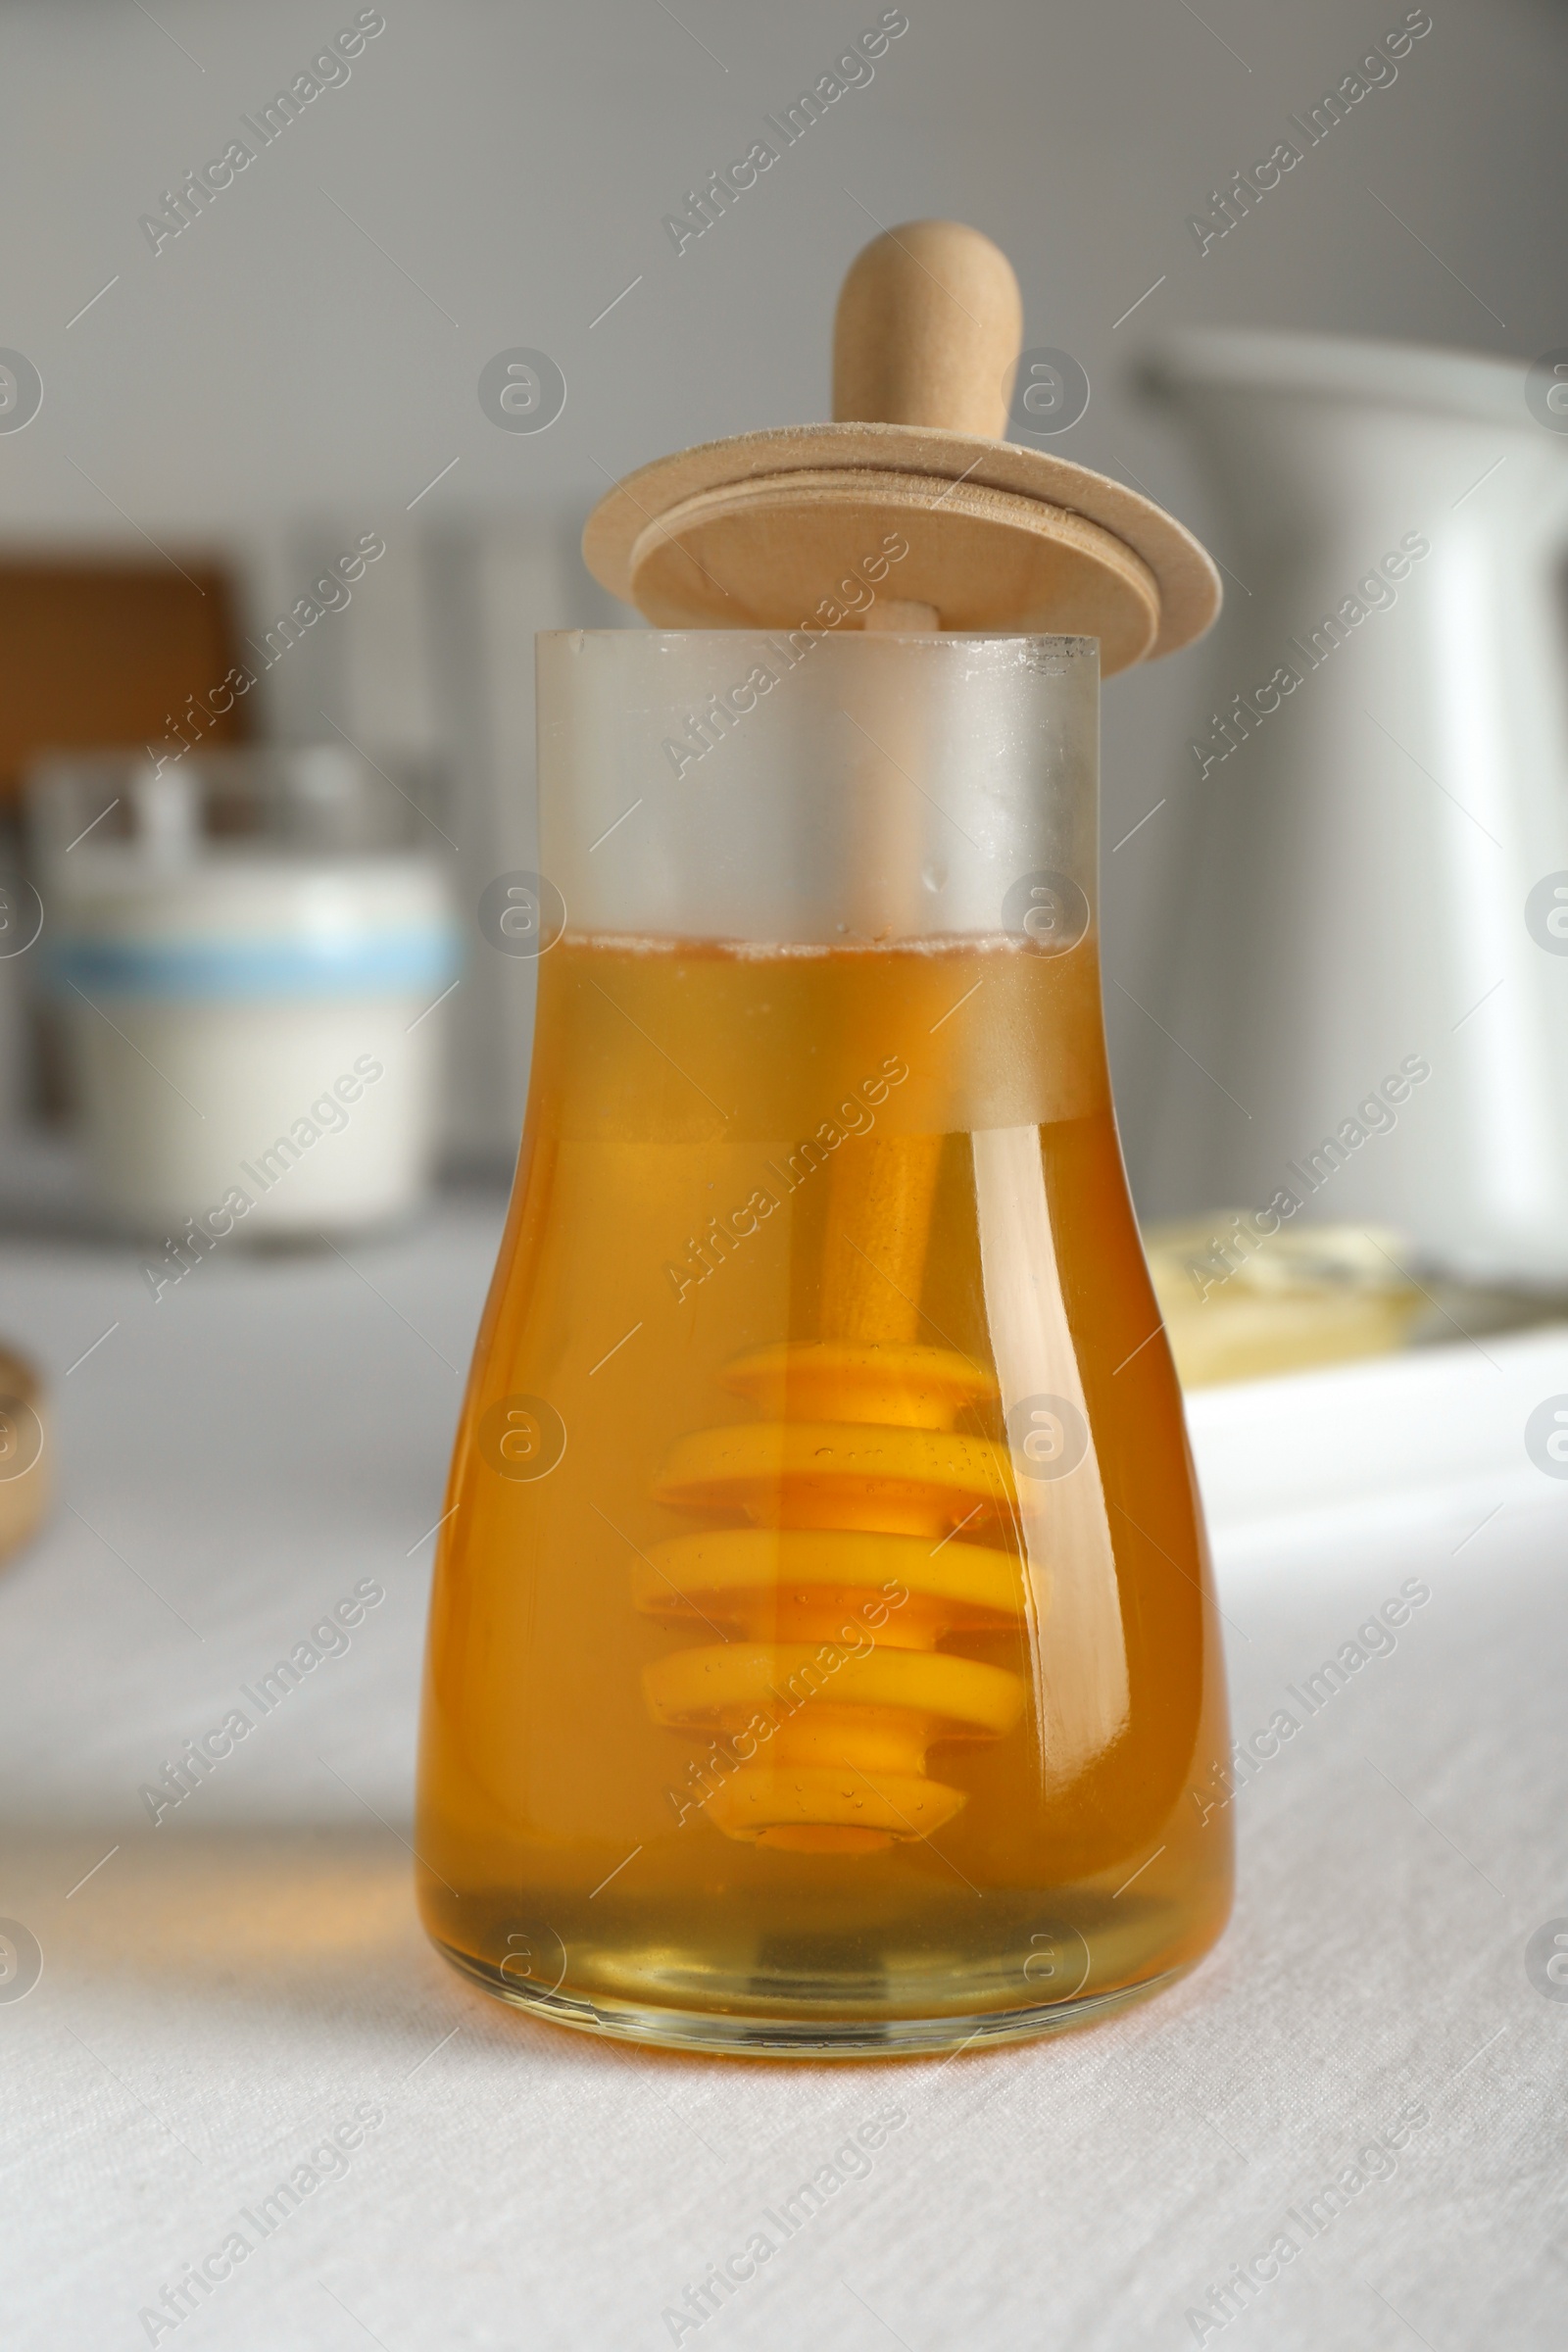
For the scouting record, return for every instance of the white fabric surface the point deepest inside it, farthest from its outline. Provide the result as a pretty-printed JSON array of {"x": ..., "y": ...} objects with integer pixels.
[{"x": 231, "y": 1986}]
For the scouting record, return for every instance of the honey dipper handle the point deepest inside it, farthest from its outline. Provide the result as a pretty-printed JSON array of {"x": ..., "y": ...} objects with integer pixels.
[{"x": 927, "y": 332}]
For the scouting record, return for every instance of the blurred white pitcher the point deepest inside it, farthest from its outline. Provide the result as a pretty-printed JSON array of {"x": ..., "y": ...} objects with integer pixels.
[{"x": 1377, "y": 856}]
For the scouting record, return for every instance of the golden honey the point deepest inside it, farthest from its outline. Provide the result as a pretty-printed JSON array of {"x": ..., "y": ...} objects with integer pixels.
[{"x": 821, "y": 1655}]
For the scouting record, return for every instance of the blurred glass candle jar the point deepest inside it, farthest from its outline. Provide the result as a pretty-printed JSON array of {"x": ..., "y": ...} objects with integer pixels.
[{"x": 247, "y": 955}]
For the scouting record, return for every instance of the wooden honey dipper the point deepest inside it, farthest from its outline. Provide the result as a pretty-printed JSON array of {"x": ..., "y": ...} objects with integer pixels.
[
  {"x": 749, "y": 533},
  {"x": 858, "y": 1466}
]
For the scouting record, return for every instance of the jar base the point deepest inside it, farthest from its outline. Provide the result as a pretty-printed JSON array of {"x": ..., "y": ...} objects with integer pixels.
[{"x": 716, "y": 2035}]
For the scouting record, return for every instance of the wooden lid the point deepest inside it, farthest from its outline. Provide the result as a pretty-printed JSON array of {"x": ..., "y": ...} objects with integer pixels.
[
  {"x": 759, "y": 531},
  {"x": 24, "y": 1474}
]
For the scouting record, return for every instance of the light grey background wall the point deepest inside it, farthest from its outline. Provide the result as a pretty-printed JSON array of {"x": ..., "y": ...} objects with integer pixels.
[{"x": 496, "y": 174}]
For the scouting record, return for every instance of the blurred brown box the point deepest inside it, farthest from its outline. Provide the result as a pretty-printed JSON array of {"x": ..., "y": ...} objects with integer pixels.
[{"x": 104, "y": 652}]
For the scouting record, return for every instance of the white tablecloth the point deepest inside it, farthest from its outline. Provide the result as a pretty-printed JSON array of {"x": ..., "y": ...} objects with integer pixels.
[{"x": 223, "y": 1993}]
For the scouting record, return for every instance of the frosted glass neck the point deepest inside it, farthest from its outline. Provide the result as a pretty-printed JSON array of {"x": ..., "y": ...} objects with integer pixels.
[{"x": 802, "y": 788}]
